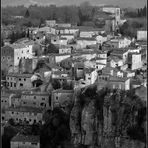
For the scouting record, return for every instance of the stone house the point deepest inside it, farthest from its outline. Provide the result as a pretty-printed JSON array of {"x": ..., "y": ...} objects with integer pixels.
[
  {"x": 19, "y": 81},
  {"x": 62, "y": 98},
  {"x": 63, "y": 41},
  {"x": 22, "y": 51},
  {"x": 101, "y": 39},
  {"x": 64, "y": 50},
  {"x": 120, "y": 42},
  {"x": 84, "y": 42},
  {"x": 7, "y": 57},
  {"x": 113, "y": 82},
  {"x": 121, "y": 53},
  {"x": 36, "y": 99},
  {"x": 25, "y": 141},
  {"x": 24, "y": 115},
  {"x": 115, "y": 61},
  {"x": 119, "y": 83},
  {"x": 142, "y": 35},
  {"x": 60, "y": 57},
  {"x": 67, "y": 36},
  {"x": 50, "y": 23},
  {"x": 4, "y": 100},
  {"x": 64, "y": 25},
  {"x": 66, "y": 30},
  {"x": 134, "y": 61}
]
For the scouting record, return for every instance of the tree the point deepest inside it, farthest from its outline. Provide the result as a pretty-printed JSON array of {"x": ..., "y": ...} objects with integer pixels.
[
  {"x": 2, "y": 42},
  {"x": 28, "y": 34},
  {"x": 27, "y": 14},
  {"x": 51, "y": 48},
  {"x": 11, "y": 121},
  {"x": 56, "y": 129},
  {"x": 56, "y": 84}
]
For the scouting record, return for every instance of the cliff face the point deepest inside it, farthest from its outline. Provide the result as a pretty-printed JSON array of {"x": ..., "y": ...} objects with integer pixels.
[{"x": 110, "y": 123}]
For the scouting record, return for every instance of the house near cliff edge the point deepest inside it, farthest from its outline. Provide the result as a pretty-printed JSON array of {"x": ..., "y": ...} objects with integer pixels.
[
  {"x": 61, "y": 98},
  {"x": 25, "y": 141},
  {"x": 19, "y": 81},
  {"x": 114, "y": 83},
  {"x": 24, "y": 115}
]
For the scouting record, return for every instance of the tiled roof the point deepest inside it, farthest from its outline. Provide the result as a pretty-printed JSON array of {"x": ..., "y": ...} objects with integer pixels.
[
  {"x": 20, "y": 75},
  {"x": 119, "y": 51},
  {"x": 24, "y": 138},
  {"x": 25, "y": 109},
  {"x": 62, "y": 91},
  {"x": 87, "y": 39},
  {"x": 35, "y": 93},
  {"x": 117, "y": 79}
]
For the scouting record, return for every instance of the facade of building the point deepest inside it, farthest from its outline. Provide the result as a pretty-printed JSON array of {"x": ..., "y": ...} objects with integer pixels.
[
  {"x": 24, "y": 115},
  {"x": 18, "y": 81},
  {"x": 23, "y": 141},
  {"x": 121, "y": 53},
  {"x": 50, "y": 23},
  {"x": 7, "y": 58},
  {"x": 142, "y": 35},
  {"x": 115, "y": 11},
  {"x": 35, "y": 99},
  {"x": 61, "y": 98},
  {"x": 84, "y": 42},
  {"x": 101, "y": 39},
  {"x": 119, "y": 83},
  {"x": 135, "y": 61}
]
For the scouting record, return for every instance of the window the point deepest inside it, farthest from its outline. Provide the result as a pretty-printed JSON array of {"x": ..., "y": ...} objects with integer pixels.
[
  {"x": 7, "y": 78},
  {"x": 56, "y": 97},
  {"x": 19, "y": 79},
  {"x": 34, "y": 97},
  {"x": 3, "y": 58},
  {"x": 14, "y": 84},
  {"x": 27, "y": 50},
  {"x": 18, "y": 58},
  {"x": 12, "y": 112},
  {"x": 43, "y": 98},
  {"x": 33, "y": 143},
  {"x": 24, "y": 103},
  {"x": 8, "y": 58},
  {"x": 10, "y": 84},
  {"x": 34, "y": 103},
  {"x": 21, "y": 84},
  {"x": 22, "y": 51},
  {"x": 30, "y": 120},
  {"x": 24, "y": 79}
]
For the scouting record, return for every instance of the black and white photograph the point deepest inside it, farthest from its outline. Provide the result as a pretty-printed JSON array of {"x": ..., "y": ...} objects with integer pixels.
[{"x": 74, "y": 74}]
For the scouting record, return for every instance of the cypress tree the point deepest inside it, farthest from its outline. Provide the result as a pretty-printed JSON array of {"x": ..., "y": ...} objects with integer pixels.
[{"x": 27, "y": 14}]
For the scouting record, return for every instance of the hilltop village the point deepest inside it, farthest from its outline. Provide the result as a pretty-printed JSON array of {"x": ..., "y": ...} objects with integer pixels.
[{"x": 95, "y": 77}]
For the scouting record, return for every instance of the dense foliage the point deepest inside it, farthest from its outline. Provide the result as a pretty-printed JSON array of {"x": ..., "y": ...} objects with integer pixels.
[{"x": 55, "y": 130}]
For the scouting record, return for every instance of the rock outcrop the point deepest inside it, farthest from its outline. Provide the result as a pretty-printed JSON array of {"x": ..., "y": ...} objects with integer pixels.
[{"x": 109, "y": 124}]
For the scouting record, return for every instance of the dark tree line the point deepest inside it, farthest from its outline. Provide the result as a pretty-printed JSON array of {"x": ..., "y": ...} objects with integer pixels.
[
  {"x": 36, "y": 15},
  {"x": 141, "y": 12},
  {"x": 17, "y": 35}
]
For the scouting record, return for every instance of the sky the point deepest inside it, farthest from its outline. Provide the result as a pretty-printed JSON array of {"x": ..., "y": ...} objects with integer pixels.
[{"x": 121, "y": 3}]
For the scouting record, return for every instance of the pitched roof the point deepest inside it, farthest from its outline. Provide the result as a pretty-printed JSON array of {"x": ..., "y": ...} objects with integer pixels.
[
  {"x": 118, "y": 79},
  {"x": 87, "y": 39},
  {"x": 25, "y": 109},
  {"x": 62, "y": 91},
  {"x": 23, "y": 75},
  {"x": 24, "y": 138}
]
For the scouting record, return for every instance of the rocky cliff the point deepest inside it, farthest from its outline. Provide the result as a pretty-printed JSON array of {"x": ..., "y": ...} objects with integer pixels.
[{"x": 108, "y": 119}]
